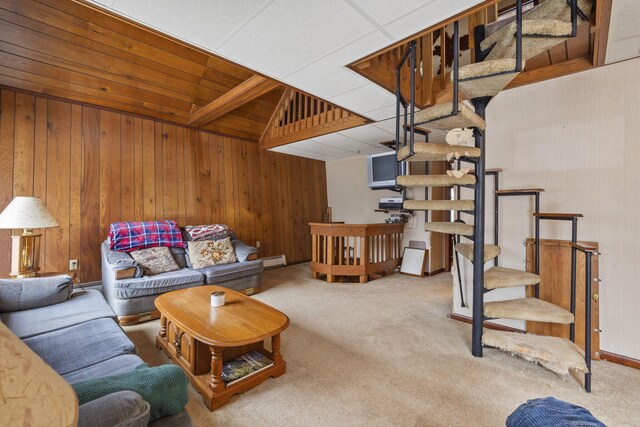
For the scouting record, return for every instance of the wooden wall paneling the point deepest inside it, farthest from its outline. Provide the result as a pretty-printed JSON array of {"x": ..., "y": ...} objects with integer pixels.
[
  {"x": 218, "y": 180},
  {"x": 191, "y": 177},
  {"x": 58, "y": 172},
  {"x": 138, "y": 154},
  {"x": 169, "y": 172},
  {"x": 231, "y": 184},
  {"x": 93, "y": 167},
  {"x": 110, "y": 189},
  {"x": 90, "y": 232},
  {"x": 23, "y": 144},
  {"x": 148, "y": 170},
  {"x": 266, "y": 197},
  {"x": 7, "y": 123},
  {"x": 203, "y": 183},
  {"x": 75, "y": 185},
  {"x": 158, "y": 142},
  {"x": 127, "y": 168}
]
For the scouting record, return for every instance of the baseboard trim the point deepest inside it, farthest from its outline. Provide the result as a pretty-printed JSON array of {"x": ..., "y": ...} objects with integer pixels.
[
  {"x": 487, "y": 324},
  {"x": 434, "y": 272},
  {"x": 620, "y": 360}
]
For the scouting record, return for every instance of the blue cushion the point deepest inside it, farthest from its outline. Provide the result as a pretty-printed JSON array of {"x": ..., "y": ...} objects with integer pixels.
[
  {"x": 23, "y": 294},
  {"x": 81, "y": 307},
  {"x": 124, "y": 408},
  {"x": 77, "y": 347},
  {"x": 551, "y": 412},
  {"x": 235, "y": 270},
  {"x": 157, "y": 284},
  {"x": 114, "y": 366}
]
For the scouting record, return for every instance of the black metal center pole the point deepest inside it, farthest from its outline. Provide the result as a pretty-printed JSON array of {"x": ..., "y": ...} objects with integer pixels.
[
  {"x": 412, "y": 96},
  {"x": 496, "y": 213},
  {"x": 537, "y": 243},
  {"x": 574, "y": 239},
  {"x": 587, "y": 320},
  {"x": 478, "y": 236}
]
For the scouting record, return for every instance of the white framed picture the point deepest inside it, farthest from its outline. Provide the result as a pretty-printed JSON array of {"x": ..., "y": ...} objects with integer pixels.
[{"x": 413, "y": 261}]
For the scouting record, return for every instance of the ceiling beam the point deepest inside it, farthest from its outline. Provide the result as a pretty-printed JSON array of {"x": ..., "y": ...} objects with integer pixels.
[{"x": 245, "y": 92}]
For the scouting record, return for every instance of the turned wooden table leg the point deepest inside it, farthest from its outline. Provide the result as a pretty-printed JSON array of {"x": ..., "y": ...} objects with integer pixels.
[
  {"x": 216, "y": 383},
  {"x": 275, "y": 349},
  {"x": 163, "y": 326}
]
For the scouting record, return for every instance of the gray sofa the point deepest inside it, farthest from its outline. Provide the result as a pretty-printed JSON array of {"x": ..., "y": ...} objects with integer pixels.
[
  {"x": 133, "y": 298},
  {"x": 77, "y": 335}
]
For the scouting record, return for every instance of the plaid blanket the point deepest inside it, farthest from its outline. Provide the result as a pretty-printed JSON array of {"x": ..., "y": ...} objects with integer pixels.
[
  {"x": 131, "y": 236},
  {"x": 208, "y": 232}
]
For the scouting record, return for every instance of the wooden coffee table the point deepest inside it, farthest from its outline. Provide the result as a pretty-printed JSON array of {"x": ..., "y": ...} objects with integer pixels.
[{"x": 200, "y": 338}]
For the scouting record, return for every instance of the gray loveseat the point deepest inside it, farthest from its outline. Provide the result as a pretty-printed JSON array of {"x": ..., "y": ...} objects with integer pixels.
[
  {"x": 77, "y": 335},
  {"x": 132, "y": 298}
]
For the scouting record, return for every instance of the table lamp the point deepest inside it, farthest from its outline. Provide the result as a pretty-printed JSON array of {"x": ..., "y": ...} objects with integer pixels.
[{"x": 26, "y": 213}]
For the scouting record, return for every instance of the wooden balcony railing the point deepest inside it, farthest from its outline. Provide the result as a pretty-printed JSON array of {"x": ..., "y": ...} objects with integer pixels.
[{"x": 341, "y": 250}]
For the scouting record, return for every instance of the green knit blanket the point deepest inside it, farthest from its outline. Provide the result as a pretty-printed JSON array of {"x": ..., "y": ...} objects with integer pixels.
[{"x": 164, "y": 387}]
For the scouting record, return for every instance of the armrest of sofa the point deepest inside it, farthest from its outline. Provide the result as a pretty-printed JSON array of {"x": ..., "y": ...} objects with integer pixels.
[
  {"x": 119, "y": 265},
  {"x": 243, "y": 251},
  {"x": 126, "y": 408},
  {"x": 24, "y": 294}
]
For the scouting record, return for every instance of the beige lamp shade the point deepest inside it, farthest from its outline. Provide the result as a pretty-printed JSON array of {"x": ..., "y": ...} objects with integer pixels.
[{"x": 26, "y": 213}]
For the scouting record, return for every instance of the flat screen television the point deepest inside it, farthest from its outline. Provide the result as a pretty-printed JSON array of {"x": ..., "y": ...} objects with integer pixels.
[{"x": 381, "y": 170}]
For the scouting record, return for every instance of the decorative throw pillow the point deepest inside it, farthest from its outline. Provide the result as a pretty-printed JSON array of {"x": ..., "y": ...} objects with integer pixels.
[
  {"x": 211, "y": 252},
  {"x": 155, "y": 260},
  {"x": 131, "y": 236},
  {"x": 23, "y": 294},
  {"x": 208, "y": 232}
]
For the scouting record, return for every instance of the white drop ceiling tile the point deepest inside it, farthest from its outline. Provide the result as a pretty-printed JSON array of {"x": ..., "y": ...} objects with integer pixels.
[
  {"x": 291, "y": 33},
  {"x": 383, "y": 113},
  {"x": 388, "y": 125},
  {"x": 377, "y": 150},
  {"x": 625, "y": 16},
  {"x": 191, "y": 21},
  {"x": 623, "y": 49},
  {"x": 318, "y": 148},
  {"x": 328, "y": 76},
  {"x": 107, "y": 3},
  {"x": 343, "y": 142},
  {"x": 382, "y": 11},
  {"x": 368, "y": 134},
  {"x": 292, "y": 151},
  {"x": 364, "y": 98},
  {"x": 429, "y": 14}
]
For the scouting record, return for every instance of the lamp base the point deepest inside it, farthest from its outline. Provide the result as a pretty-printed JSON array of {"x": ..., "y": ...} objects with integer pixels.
[{"x": 25, "y": 255}]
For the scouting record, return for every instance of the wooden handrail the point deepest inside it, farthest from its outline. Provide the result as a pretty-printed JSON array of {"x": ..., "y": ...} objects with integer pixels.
[{"x": 355, "y": 249}]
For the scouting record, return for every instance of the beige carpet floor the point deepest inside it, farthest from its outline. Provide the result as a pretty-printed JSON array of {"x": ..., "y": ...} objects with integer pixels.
[{"x": 386, "y": 354}]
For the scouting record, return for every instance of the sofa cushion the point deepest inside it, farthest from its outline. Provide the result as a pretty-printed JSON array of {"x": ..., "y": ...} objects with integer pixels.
[
  {"x": 158, "y": 284},
  {"x": 23, "y": 294},
  {"x": 81, "y": 307},
  {"x": 181, "y": 419},
  {"x": 209, "y": 252},
  {"x": 243, "y": 250},
  {"x": 225, "y": 272},
  {"x": 79, "y": 346},
  {"x": 155, "y": 260},
  {"x": 114, "y": 366},
  {"x": 121, "y": 409}
]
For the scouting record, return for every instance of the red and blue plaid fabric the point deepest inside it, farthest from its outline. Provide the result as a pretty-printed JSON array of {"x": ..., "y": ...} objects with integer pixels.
[{"x": 131, "y": 236}]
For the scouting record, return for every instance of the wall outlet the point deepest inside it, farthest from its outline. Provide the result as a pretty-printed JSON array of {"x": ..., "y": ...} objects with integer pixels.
[
  {"x": 73, "y": 264},
  {"x": 257, "y": 243}
]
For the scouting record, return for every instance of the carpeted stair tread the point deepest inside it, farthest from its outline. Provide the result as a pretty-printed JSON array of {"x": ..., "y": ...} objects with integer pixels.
[
  {"x": 430, "y": 151},
  {"x": 551, "y": 19},
  {"x": 411, "y": 181},
  {"x": 441, "y": 117},
  {"x": 533, "y": 309},
  {"x": 487, "y": 78},
  {"x": 466, "y": 250},
  {"x": 501, "y": 277},
  {"x": 559, "y": 355},
  {"x": 439, "y": 205},
  {"x": 449, "y": 228}
]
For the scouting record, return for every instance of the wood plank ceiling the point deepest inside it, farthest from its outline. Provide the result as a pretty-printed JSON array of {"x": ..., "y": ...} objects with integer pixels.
[
  {"x": 76, "y": 51},
  {"x": 433, "y": 85}
]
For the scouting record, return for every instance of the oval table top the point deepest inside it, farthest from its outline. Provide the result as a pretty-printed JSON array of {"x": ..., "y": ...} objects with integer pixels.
[{"x": 241, "y": 320}]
